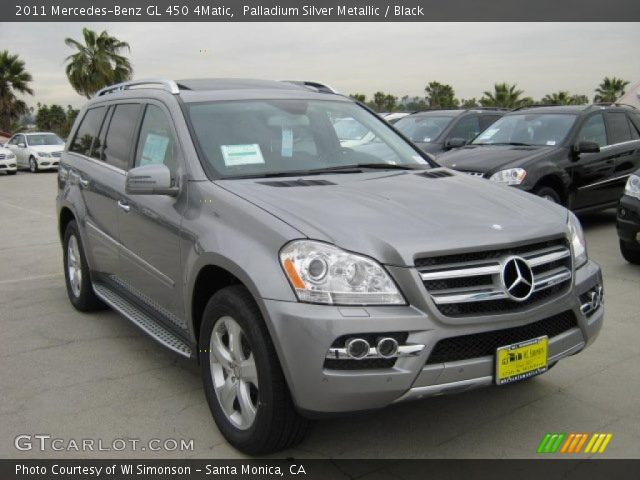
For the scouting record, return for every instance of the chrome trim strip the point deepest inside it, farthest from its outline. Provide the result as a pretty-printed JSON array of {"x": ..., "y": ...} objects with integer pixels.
[
  {"x": 602, "y": 182},
  {"x": 469, "y": 297},
  {"x": 542, "y": 282},
  {"x": 98, "y": 162},
  {"x": 433, "y": 390},
  {"x": 403, "y": 351},
  {"x": 169, "y": 85},
  {"x": 535, "y": 261},
  {"x": 462, "y": 272}
]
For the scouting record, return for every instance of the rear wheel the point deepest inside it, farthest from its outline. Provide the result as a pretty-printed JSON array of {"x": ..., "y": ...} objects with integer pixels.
[
  {"x": 630, "y": 252},
  {"x": 33, "y": 165},
  {"x": 243, "y": 382},
  {"x": 548, "y": 193},
  {"x": 76, "y": 272}
]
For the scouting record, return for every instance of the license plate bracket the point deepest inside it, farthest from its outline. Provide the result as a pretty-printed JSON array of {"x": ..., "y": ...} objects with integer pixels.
[{"x": 521, "y": 360}]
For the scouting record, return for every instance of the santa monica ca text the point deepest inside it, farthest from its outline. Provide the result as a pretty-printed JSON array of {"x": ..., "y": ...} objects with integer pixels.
[{"x": 156, "y": 470}]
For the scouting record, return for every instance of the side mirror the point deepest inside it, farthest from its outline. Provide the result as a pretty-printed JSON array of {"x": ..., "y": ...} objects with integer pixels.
[
  {"x": 586, "y": 147},
  {"x": 150, "y": 180},
  {"x": 22, "y": 145},
  {"x": 455, "y": 142}
]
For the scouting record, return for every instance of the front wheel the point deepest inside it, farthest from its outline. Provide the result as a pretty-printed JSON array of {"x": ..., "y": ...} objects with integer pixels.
[
  {"x": 243, "y": 382},
  {"x": 630, "y": 252},
  {"x": 548, "y": 193},
  {"x": 33, "y": 165}
]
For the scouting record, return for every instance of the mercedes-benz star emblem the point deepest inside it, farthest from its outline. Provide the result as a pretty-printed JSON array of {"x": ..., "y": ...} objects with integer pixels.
[{"x": 517, "y": 278}]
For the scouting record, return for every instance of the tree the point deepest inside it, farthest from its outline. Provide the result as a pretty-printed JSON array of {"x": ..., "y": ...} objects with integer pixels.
[
  {"x": 359, "y": 97},
  {"x": 97, "y": 63},
  {"x": 14, "y": 79},
  {"x": 610, "y": 90},
  {"x": 563, "y": 97},
  {"x": 390, "y": 103},
  {"x": 505, "y": 96},
  {"x": 379, "y": 101},
  {"x": 70, "y": 115},
  {"x": 440, "y": 95},
  {"x": 51, "y": 118},
  {"x": 469, "y": 103}
]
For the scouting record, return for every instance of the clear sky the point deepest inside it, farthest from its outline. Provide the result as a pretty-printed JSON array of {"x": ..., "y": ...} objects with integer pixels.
[{"x": 400, "y": 58}]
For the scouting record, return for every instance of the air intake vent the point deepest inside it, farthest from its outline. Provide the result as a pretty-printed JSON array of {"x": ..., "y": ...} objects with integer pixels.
[
  {"x": 437, "y": 174},
  {"x": 297, "y": 183}
]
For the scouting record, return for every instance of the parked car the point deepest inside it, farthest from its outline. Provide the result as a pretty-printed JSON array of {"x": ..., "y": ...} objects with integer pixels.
[
  {"x": 7, "y": 161},
  {"x": 577, "y": 156},
  {"x": 36, "y": 151},
  {"x": 629, "y": 220},
  {"x": 438, "y": 131},
  {"x": 224, "y": 218}
]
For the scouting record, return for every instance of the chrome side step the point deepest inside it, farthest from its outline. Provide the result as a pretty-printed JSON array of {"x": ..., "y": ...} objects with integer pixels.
[{"x": 142, "y": 320}]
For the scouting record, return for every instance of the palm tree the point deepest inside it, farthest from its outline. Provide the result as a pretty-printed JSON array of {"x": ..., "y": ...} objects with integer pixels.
[
  {"x": 557, "y": 98},
  {"x": 97, "y": 63},
  {"x": 610, "y": 90},
  {"x": 14, "y": 79},
  {"x": 505, "y": 96}
]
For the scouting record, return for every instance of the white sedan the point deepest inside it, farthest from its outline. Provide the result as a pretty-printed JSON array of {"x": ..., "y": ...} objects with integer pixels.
[
  {"x": 36, "y": 151},
  {"x": 7, "y": 161}
]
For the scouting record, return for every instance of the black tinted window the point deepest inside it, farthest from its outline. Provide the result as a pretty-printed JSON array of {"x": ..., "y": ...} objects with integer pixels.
[
  {"x": 87, "y": 131},
  {"x": 487, "y": 120},
  {"x": 467, "y": 128},
  {"x": 122, "y": 127},
  {"x": 593, "y": 130},
  {"x": 619, "y": 128}
]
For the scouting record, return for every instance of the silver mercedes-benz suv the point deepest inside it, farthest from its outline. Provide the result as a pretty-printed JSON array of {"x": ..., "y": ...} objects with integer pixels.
[{"x": 307, "y": 277}]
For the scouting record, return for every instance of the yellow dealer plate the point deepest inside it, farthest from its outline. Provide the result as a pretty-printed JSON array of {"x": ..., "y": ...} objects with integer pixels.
[{"x": 521, "y": 360}]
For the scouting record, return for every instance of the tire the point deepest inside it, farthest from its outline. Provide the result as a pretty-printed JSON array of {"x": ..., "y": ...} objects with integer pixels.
[
  {"x": 549, "y": 193},
  {"x": 33, "y": 165},
  {"x": 259, "y": 416},
  {"x": 630, "y": 252},
  {"x": 76, "y": 272}
]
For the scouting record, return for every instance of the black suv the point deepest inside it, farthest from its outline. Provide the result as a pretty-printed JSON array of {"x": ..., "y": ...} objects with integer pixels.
[
  {"x": 578, "y": 156},
  {"x": 437, "y": 131},
  {"x": 629, "y": 220}
]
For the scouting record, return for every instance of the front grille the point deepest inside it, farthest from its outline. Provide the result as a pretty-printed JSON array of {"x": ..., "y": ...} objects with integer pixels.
[
  {"x": 484, "y": 344},
  {"x": 470, "y": 283},
  {"x": 3, "y": 156},
  {"x": 474, "y": 174}
]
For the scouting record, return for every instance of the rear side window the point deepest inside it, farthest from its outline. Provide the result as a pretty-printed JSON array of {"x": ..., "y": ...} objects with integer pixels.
[
  {"x": 119, "y": 139},
  {"x": 593, "y": 130},
  {"x": 87, "y": 131},
  {"x": 487, "y": 120},
  {"x": 467, "y": 128},
  {"x": 157, "y": 143},
  {"x": 619, "y": 128}
]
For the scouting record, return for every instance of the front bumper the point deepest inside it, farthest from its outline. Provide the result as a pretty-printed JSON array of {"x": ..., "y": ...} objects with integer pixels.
[
  {"x": 303, "y": 333},
  {"x": 8, "y": 165},
  {"x": 47, "y": 163},
  {"x": 628, "y": 221}
]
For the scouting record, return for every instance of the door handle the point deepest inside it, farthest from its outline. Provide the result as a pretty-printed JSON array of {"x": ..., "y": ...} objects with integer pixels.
[
  {"x": 124, "y": 206},
  {"x": 83, "y": 183}
]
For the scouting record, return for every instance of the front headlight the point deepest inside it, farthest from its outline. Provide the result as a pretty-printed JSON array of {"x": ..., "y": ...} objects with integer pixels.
[
  {"x": 322, "y": 273},
  {"x": 632, "y": 188},
  {"x": 577, "y": 241},
  {"x": 512, "y": 176},
  {"x": 11, "y": 156},
  {"x": 44, "y": 154}
]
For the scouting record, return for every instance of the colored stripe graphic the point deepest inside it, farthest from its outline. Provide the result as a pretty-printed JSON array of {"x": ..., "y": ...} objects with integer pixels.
[
  {"x": 598, "y": 443},
  {"x": 573, "y": 443},
  {"x": 550, "y": 443}
]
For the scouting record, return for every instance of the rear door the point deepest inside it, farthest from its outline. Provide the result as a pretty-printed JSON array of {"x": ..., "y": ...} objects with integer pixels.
[
  {"x": 625, "y": 145},
  {"x": 150, "y": 224},
  {"x": 99, "y": 185},
  {"x": 592, "y": 172}
]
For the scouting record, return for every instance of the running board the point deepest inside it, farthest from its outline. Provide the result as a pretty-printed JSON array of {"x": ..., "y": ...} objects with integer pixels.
[{"x": 142, "y": 320}]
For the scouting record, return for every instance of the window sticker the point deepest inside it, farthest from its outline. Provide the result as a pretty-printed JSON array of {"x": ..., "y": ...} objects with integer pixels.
[
  {"x": 426, "y": 139},
  {"x": 551, "y": 142},
  {"x": 155, "y": 149},
  {"x": 287, "y": 143},
  {"x": 488, "y": 134},
  {"x": 235, "y": 155}
]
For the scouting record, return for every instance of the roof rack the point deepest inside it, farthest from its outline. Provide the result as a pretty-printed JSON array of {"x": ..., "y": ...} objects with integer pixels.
[
  {"x": 612, "y": 104},
  {"x": 168, "y": 85},
  {"x": 320, "y": 87}
]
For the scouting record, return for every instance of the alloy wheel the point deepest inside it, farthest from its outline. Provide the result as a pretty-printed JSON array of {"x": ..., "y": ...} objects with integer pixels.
[
  {"x": 74, "y": 265},
  {"x": 234, "y": 373}
]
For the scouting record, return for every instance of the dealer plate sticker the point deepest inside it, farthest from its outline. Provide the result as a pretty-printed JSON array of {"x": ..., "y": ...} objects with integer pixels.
[
  {"x": 521, "y": 360},
  {"x": 235, "y": 155}
]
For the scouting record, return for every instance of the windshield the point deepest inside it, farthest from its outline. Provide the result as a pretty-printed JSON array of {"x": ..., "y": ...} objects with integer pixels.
[
  {"x": 423, "y": 129},
  {"x": 278, "y": 137},
  {"x": 528, "y": 129},
  {"x": 350, "y": 129},
  {"x": 44, "y": 139}
]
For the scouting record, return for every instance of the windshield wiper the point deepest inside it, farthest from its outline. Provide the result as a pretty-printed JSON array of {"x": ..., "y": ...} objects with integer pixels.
[
  {"x": 357, "y": 167},
  {"x": 516, "y": 144}
]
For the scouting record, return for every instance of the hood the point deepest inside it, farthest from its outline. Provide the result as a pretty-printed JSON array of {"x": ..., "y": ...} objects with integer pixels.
[
  {"x": 47, "y": 148},
  {"x": 396, "y": 217},
  {"x": 5, "y": 151},
  {"x": 491, "y": 158}
]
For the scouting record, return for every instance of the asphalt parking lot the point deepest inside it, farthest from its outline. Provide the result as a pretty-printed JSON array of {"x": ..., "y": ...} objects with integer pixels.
[{"x": 78, "y": 376}]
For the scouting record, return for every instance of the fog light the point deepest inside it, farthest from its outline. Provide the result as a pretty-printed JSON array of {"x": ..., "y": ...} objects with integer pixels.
[
  {"x": 357, "y": 348},
  {"x": 592, "y": 300}
]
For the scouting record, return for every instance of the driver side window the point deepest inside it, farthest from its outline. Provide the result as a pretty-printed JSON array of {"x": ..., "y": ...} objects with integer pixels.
[
  {"x": 157, "y": 143},
  {"x": 593, "y": 130}
]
